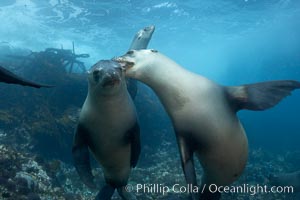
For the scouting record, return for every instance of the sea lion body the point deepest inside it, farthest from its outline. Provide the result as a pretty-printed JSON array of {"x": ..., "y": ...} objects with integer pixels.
[
  {"x": 212, "y": 131},
  {"x": 108, "y": 126},
  {"x": 200, "y": 114},
  {"x": 107, "y": 120},
  {"x": 203, "y": 114}
]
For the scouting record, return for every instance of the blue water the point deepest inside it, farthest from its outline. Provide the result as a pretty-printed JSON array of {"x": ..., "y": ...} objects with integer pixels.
[{"x": 232, "y": 42}]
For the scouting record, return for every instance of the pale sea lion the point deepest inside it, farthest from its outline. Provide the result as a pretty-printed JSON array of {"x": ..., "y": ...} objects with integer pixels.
[
  {"x": 140, "y": 41},
  {"x": 107, "y": 126},
  {"x": 203, "y": 114},
  {"x": 142, "y": 38}
]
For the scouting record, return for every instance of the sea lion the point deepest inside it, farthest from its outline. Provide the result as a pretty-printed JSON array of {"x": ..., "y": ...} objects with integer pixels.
[
  {"x": 8, "y": 77},
  {"x": 203, "y": 114},
  {"x": 140, "y": 41},
  {"x": 107, "y": 126},
  {"x": 287, "y": 179},
  {"x": 141, "y": 38}
]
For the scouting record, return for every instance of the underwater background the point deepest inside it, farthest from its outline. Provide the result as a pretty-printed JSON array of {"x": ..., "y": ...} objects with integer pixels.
[{"x": 231, "y": 42}]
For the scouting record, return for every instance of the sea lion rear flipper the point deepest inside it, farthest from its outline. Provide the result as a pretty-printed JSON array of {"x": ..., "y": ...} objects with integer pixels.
[
  {"x": 126, "y": 195},
  {"x": 187, "y": 162},
  {"x": 134, "y": 135},
  {"x": 260, "y": 96},
  {"x": 105, "y": 193},
  {"x": 81, "y": 157}
]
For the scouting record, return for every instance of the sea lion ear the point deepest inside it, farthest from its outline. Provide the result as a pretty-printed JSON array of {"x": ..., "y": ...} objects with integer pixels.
[{"x": 130, "y": 52}]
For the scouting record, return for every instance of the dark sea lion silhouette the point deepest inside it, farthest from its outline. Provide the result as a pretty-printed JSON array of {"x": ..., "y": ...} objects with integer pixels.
[{"x": 7, "y": 76}]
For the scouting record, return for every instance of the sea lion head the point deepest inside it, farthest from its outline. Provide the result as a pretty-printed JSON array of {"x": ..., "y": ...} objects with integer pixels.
[
  {"x": 142, "y": 38},
  {"x": 145, "y": 32},
  {"x": 106, "y": 76}
]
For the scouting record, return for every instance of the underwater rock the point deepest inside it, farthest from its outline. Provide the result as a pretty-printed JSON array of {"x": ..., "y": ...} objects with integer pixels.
[
  {"x": 22, "y": 185},
  {"x": 6, "y": 195},
  {"x": 26, "y": 181},
  {"x": 22, "y": 177},
  {"x": 3, "y": 181}
]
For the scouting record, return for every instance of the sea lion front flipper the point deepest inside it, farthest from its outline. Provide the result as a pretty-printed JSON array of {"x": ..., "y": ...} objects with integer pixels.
[
  {"x": 81, "y": 157},
  {"x": 260, "y": 96},
  {"x": 134, "y": 136},
  {"x": 187, "y": 162}
]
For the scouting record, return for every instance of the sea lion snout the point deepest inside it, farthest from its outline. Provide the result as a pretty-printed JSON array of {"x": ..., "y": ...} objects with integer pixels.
[
  {"x": 145, "y": 33},
  {"x": 106, "y": 73},
  {"x": 150, "y": 28},
  {"x": 110, "y": 78}
]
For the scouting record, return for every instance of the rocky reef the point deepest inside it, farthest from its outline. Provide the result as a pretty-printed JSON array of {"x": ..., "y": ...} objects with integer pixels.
[{"x": 25, "y": 176}]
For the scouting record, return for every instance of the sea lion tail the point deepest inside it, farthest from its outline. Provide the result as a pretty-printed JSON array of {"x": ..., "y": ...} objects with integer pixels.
[
  {"x": 260, "y": 96},
  {"x": 106, "y": 192}
]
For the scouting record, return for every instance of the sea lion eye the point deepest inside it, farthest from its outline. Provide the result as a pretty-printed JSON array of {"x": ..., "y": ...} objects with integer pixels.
[
  {"x": 96, "y": 77},
  {"x": 96, "y": 74},
  {"x": 97, "y": 71},
  {"x": 154, "y": 51}
]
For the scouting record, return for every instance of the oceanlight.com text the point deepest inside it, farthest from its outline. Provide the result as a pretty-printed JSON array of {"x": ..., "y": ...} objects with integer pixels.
[{"x": 213, "y": 188}]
